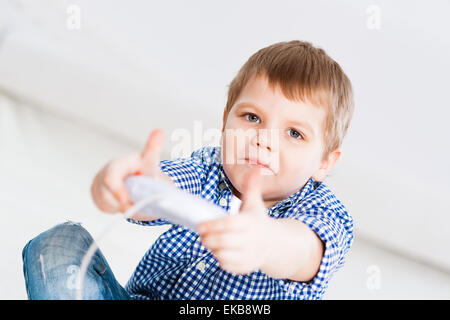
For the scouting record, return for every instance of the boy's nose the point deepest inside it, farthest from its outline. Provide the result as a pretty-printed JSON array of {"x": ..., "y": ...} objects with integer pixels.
[
  {"x": 265, "y": 140},
  {"x": 264, "y": 146}
]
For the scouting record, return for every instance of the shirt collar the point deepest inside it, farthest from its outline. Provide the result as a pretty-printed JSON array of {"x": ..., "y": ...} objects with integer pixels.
[
  {"x": 224, "y": 179},
  {"x": 310, "y": 186}
]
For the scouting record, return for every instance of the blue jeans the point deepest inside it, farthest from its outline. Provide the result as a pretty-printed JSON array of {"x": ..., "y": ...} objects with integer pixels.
[{"x": 51, "y": 263}]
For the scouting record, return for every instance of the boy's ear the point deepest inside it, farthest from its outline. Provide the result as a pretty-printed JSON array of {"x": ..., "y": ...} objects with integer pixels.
[{"x": 326, "y": 165}]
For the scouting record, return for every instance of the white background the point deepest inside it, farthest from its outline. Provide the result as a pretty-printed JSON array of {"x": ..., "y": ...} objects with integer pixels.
[{"x": 73, "y": 99}]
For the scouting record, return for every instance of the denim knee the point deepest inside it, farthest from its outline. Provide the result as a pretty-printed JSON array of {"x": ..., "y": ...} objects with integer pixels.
[{"x": 52, "y": 259}]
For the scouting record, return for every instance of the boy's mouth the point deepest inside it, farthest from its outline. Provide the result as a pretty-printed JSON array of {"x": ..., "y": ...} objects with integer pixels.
[
  {"x": 257, "y": 163},
  {"x": 266, "y": 170}
]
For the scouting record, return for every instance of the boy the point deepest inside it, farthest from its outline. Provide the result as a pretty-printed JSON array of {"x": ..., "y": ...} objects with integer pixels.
[{"x": 290, "y": 234}]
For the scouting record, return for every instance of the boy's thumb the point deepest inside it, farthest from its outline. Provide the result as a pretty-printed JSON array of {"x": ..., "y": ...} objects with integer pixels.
[
  {"x": 151, "y": 154},
  {"x": 252, "y": 193}
]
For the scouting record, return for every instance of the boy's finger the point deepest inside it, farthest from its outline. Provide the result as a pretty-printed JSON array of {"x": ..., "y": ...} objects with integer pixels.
[
  {"x": 119, "y": 192},
  {"x": 117, "y": 170},
  {"x": 152, "y": 153},
  {"x": 223, "y": 240},
  {"x": 108, "y": 203},
  {"x": 252, "y": 194},
  {"x": 228, "y": 223}
]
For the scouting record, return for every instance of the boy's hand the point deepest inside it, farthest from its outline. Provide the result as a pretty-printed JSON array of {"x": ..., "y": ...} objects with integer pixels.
[
  {"x": 108, "y": 188},
  {"x": 242, "y": 242}
]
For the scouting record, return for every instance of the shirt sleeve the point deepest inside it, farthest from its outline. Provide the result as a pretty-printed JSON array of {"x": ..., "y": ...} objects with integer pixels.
[
  {"x": 335, "y": 229},
  {"x": 188, "y": 174}
]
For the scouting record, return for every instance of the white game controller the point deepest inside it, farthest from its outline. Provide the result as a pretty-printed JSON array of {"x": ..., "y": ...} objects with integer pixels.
[
  {"x": 173, "y": 204},
  {"x": 160, "y": 199}
]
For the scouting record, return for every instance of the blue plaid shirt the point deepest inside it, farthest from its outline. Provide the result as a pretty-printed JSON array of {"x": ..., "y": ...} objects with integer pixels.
[{"x": 178, "y": 266}]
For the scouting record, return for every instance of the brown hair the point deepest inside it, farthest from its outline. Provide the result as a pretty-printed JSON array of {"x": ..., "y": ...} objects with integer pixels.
[{"x": 303, "y": 72}]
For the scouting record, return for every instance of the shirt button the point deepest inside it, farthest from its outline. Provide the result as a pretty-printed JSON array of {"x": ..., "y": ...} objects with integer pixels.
[
  {"x": 222, "y": 186},
  {"x": 223, "y": 202},
  {"x": 201, "y": 266}
]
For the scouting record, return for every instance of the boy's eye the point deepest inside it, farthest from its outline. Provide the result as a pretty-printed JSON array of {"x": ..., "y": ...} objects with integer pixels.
[
  {"x": 250, "y": 116},
  {"x": 296, "y": 134}
]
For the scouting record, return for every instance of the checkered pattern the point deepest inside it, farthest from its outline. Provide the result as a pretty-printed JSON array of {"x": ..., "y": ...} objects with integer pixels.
[{"x": 178, "y": 266}]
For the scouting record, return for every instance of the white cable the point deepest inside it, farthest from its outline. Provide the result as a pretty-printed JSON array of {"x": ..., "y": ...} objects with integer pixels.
[{"x": 94, "y": 245}]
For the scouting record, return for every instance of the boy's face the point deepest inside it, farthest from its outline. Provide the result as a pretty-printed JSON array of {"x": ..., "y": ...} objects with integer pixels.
[{"x": 286, "y": 135}]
